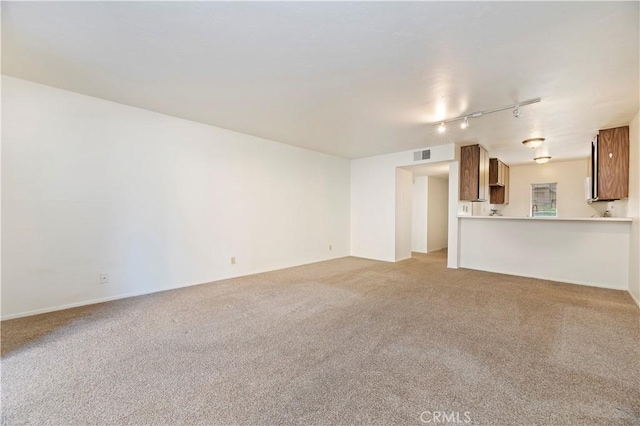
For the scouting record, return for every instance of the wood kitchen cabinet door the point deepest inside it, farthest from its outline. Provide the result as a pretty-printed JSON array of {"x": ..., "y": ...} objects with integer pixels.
[
  {"x": 505, "y": 191},
  {"x": 613, "y": 163},
  {"x": 497, "y": 173},
  {"x": 469, "y": 166},
  {"x": 494, "y": 171},
  {"x": 498, "y": 181},
  {"x": 474, "y": 173}
]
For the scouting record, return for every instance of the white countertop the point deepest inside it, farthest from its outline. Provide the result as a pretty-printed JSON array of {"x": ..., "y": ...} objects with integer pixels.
[{"x": 567, "y": 219}]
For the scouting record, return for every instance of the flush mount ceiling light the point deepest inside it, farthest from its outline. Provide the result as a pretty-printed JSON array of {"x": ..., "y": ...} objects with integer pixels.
[
  {"x": 533, "y": 142},
  {"x": 542, "y": 160},
  {"x": 515, "y": 107}
]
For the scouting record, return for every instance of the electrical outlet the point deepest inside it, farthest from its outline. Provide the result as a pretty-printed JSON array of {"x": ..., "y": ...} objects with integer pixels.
[
  {"x": 104, "y": 278},
  {"x": 233, "y": 260}
]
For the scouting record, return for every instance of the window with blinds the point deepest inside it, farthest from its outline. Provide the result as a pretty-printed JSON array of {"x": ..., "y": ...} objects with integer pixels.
[{"x": 544, "y": 200}]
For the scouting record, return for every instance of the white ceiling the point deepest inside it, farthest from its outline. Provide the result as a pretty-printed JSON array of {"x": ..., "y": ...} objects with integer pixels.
[{"x": 352, "y": 79}]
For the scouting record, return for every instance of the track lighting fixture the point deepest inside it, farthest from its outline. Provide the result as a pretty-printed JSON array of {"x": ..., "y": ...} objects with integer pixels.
[
  {"x": 533, "y": 142},
  {"x": 515, "y": 107},
  {"x": 542, "y": 160}
]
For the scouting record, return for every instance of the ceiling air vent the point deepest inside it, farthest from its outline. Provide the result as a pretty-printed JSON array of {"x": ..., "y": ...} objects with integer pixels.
[{"x": 422, "y": 155}]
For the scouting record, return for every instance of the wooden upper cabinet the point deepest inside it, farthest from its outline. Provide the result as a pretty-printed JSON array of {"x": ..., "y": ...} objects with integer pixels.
[
  {"x": 498, "y": 181},
  {"x": 613, "y": 163},
  {"x": 505, "y": 199},
  {"x": 497, "y": 172},
  {"x": 474, "y": 173}
]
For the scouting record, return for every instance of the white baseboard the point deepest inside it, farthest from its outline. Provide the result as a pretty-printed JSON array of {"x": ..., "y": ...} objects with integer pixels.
[
  {"x": 99, "y": 300},
  {"x": 560, "y": 280},
  {"x": 76, "y": 304},
  {"x": 437, "y": 249},
  {"x": 404, "y": 258},
  {"x": 143, "y": 292}
]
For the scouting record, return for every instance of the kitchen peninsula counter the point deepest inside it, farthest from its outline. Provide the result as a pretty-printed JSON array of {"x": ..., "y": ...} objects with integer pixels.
[
  {"x": 585, "y": 250},
  {"x": 555, "y": 219}
]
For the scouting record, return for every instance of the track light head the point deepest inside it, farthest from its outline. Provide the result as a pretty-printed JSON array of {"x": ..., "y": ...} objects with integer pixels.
[
  {"x": 442, "y": 127},
  {"x": 516, "y": 111},
  {"x": 465, "y": 123}
]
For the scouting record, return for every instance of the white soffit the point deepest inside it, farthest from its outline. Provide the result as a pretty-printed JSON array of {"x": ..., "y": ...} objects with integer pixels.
[{"x": 439, "y": 169}]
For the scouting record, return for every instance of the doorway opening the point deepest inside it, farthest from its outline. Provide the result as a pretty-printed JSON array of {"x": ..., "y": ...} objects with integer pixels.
[{"x": 429, "y": 207}]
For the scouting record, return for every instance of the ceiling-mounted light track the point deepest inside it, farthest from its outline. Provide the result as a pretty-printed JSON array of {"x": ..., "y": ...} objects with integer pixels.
[{"x": 515, "y": 107}]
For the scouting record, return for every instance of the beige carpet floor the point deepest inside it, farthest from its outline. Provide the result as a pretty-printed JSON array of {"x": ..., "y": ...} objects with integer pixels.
[{"x": 337, "y": 342}]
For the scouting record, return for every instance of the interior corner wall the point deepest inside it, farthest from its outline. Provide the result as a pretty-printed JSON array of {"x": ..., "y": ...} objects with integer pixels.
[
  {"x": 419, "y": 206},
  {"x": 437, "y": 213},
  {"x": 634, "y": 208},
  {"x": 91, "y": 186},
  {"x": 373, "y": 199},
  {"x": 404, "y": 192}
]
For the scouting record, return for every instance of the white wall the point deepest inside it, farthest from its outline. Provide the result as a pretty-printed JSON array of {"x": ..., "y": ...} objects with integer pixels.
[
  {"x": 480, "y": 208},
  {"x": 404, "y": 189},
  {"x": 90, "y": 186},
  {"x": 438, "y": 213},
  {"x": 570, "y": 176},
  {"x": 634, "y": 208},
  {"x": 373, "y": 186},
  {"x": 373, "y": 226},
  {"x": 453, "y": 246},
  {"x": 419, "y": 214},
  {"x": 581, "y": 252}
]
